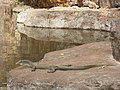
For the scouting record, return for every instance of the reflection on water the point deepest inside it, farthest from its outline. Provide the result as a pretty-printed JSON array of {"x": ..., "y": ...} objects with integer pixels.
[{"x": 34, "y": 50}]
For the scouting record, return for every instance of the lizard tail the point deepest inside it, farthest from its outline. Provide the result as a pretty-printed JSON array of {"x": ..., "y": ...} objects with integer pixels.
[{"x": 80, "y": 67}]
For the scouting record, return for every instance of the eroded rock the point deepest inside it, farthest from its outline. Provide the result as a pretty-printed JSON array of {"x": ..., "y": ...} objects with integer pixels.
[
  {"x": 109, "y": 3},
  {"x": 70, "y": 17},
  {"x": 7, "y": 39},
  {"x": 115, "y": 39},
  {"x": 65, "y": 35}
]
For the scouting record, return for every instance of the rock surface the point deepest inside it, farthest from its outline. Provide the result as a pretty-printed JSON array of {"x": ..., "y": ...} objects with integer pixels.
[
  {"x": 7, "y": 39},
  {"x": 101, "y": 78},
  {"x": 115, "y": 39},
  {"x": 79, "y": 25},
  {"x": 64, "y": 35},
  {"x": 70, "y": 17}
]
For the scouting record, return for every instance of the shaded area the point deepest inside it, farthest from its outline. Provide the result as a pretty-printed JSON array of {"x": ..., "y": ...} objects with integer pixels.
[
  {"x": 77, "y": 36},
  {"x": 115, "y": 39},
  {"x": 7, "y": 40},
  {"x": 34, "y": 50}
]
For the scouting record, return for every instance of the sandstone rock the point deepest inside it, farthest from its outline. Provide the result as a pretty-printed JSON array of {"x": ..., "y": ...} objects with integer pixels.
[
  {"x": 90, "y": 4},
  {"x": 4, "y": 28},
  {"x": 115, "y": 39},
  {"x": 80, "y": 18},
  {"x": 76, "y": 3},
  {"x": 8, "y": 50},
  {"x": 117, "y": 3},
  {"x": 96, "y": 1},
  {"x": 64, "y": 35},
  {"x": 105, "y": 3},
  {"x": 106, "y": 78},
  {"x": 109, "y": 3},
  {"x": 19, "y": 9},
  {"x": 22, "y": 16}
]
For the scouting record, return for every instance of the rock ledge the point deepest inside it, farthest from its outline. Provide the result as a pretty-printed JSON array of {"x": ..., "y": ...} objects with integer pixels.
[{"x": 106, "y": 78}]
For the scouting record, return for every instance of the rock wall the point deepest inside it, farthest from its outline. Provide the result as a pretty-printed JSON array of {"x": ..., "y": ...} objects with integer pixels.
[
  {"x": 34, "y": 49},
  {"x": 8, "y": 47},
  {"x": 64, "y": 35},
  {"x": 109, "y": 3},
  {"x": 117, "y": 3},
  {"x": 74, "y": 18},
  {"x": 115, "y": 39},
  {"x": 86, "y": 25}
]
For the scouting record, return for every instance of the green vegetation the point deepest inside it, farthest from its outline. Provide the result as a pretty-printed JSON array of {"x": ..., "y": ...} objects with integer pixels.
[{"x": 18, "y": 3}]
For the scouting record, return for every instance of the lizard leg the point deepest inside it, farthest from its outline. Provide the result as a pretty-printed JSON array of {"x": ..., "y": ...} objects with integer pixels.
[
  {"x": 67, "y": 65},
  {"x": 52, "y": 69},
  {"x": 33, "y": 68}
]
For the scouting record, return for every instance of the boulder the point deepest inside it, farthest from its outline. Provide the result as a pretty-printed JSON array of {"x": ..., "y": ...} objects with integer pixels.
[
  {"x": 70, "y": 17},
  {"x": 100, "y": 78}
]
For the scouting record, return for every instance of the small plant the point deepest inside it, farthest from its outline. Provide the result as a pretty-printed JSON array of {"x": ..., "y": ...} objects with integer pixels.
[
  {"x": 18, "y": 3},
  {"x": 66, "y": 5}
]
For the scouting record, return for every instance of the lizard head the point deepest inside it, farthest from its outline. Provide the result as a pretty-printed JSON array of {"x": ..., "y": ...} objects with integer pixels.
[{"x": 24, "y": 62}]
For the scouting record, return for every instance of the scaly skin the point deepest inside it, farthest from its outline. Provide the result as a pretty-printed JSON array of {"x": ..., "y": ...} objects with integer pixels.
[{"x": 53, "y": 68}]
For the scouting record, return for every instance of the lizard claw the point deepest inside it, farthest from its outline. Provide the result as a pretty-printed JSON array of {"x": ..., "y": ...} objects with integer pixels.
[
  {"x": 33, "y": 68},
  {"x": 52, "y": 69}
]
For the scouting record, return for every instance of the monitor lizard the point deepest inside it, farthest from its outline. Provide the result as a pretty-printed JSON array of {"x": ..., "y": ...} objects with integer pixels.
[{"x": 53, "y": 68}]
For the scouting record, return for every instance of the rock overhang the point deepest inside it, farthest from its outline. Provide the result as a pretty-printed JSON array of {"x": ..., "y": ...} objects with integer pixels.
[{"x": 75, "y": 18}]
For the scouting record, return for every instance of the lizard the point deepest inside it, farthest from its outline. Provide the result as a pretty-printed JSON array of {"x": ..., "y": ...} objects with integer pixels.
[{"x": 53, "y": 68}]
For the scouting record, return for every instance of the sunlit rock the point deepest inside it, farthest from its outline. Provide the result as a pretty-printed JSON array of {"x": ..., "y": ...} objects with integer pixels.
[{"x": 81, "y": 18}]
